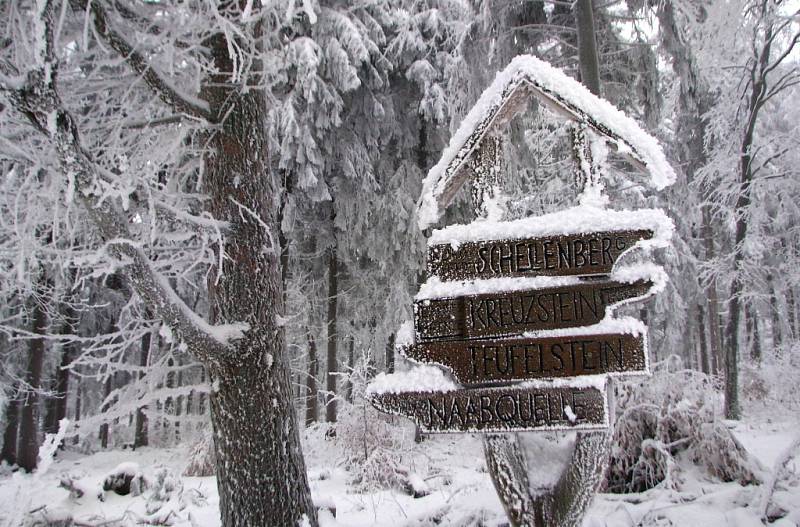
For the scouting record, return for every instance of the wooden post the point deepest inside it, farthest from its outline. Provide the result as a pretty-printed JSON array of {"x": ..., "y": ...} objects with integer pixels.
[
  {"x": 565, "y": 504},
  {"x": 486, "y": 165}
]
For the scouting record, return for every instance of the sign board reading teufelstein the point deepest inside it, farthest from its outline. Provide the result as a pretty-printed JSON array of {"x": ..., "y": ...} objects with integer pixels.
[
  {"x": 476, "y": 362},
  {"x": 558, "y": 255},
  {"x": 516, "y": 312},
  {"x": 500, "y": 409}
]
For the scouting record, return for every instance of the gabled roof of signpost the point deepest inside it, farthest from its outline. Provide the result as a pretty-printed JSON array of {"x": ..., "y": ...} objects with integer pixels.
[{"x": 525, "y": 77}]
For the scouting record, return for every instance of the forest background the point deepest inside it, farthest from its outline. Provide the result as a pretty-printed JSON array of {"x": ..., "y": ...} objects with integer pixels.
[{"x": 194, "y": 194}]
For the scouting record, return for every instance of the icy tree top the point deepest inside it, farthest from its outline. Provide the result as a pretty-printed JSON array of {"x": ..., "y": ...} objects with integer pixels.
[{"x": 528, "y": 76}]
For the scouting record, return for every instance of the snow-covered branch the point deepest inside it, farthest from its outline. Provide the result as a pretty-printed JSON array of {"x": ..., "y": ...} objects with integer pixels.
[
  {"x": 181, "y": 102},
  {"x": 38, "y": 100}
]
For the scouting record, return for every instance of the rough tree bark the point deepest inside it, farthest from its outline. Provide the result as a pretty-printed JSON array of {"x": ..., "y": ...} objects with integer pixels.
[
  {"x": 312, "y": 391},
  {"x": 390, "y": 353},
  {"x": 561, "y": 506},
  {"x": 351, "y": 362},
  {"x": 587, "y": 46},
  {"x": 712, "y": 297},
  {"x": 9, "y": 452},
  {"x": 104, "y": 432},
  {"x": 261, "y": 474},
  {"x": 705, "y": 365},
  {"x": 56, "y": 408},
  {"x": 28, "y": 446},
  {"x": 140, "y": 434},
  {"x": 774, "y": 312},
  {"x": 753, "y": 331},
  {"x": 790, "y": 311},
  {"x": 332, "y": 337}
]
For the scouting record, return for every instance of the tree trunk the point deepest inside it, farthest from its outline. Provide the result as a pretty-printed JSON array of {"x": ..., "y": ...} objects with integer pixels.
[
  {"x": 57, "y": 402},
  {"x": 179, "y": 402},
  {"x": 587, "y": 46},
  {"x": 562, "y": 506},
  {"x": 752, "y": 329},
  {"x": 140, "y": 434},
  {"x": 104, "y": 428},
  {"x": 714, "y": 337},
  {"x": 390, "y": 353},
  {"x": 790, "y": 311},
  {"x": 351, "y": 363},
  {"x": 261, "y": 474},
  {"x": 332, "y": 336},
  {"x": 774, "y": 311},
  {"x": 78, "y": 402},
  {"x": 28, "y": 448},
  {"x": 705, "y": 366},
  {"x": 312, "y": 414},
  {"x": 758, "y": 71},
  {"x": 9, "y": 452}
]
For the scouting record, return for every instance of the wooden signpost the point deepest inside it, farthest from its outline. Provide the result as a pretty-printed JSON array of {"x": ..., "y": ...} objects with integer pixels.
[
  {"x": 523, "y": 319},
  {"x": 479, "y": 362},
  {"x": 558, "y": 255},
  {"x": 505, "y": 409},
  {"x": 515, "y": 312}
]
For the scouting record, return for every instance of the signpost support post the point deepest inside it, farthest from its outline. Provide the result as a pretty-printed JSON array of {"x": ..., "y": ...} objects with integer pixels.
[{"x": 563, "y": 505}]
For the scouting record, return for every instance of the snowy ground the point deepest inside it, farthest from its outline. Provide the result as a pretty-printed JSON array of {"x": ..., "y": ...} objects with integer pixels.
[{"x": 451, "y": 467}]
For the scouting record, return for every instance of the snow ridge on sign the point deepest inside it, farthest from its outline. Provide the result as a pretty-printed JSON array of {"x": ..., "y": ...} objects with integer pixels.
[
  {"x": 435, "y": 288},
  {"x": 575, "y": 220},
  {"x": 418, "y": 379},
  {"x": 564, "y": 92},
  {"x": 610, "y": 324}
]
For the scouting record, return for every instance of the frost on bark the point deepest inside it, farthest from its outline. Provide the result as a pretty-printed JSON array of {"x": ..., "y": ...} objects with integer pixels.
[
  {"x": 28, "y": 446},
  {"x": 332, "y": 337},
  {"x": 565, "y": 503},
  {"x": 9, "y": 452},
  {"x": 312, "y": 415},
  {"x": 261, "y": 473},
  {"x": 140, "y": 436},
  {"x": 587, "y": 45}
]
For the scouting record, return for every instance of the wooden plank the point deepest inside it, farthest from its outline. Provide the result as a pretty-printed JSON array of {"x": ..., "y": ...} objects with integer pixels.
[
  {"x": 478, "y": 362},
  {"x": 513, "y": 313},
  {"x": 457, "y": 172},
  {"x": 512, "y": 100},
  {"x": 505, "y": 409},
  {"x": 558, "y": 255}
]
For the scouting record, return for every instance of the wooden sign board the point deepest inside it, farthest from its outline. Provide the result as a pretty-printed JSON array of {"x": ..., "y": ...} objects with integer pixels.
[
  {"x": 503, "y": 409},
  {"x": 477, "y": 362},
  {"x": 562, "y": 255},
  {"x": 515, "y": 312}
]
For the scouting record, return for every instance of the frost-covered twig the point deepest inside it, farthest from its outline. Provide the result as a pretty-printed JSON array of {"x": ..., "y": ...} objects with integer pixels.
[
  {"x": 41, "y": 104},
  {"x": 181, "y": 102}
]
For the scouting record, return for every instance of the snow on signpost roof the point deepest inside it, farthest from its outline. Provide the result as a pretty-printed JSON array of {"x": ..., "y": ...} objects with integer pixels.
[{"x": 528, "y": 76}]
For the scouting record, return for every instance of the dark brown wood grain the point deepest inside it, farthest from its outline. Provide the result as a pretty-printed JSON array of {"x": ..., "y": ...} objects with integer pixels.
[
  {"x": 515, "y": 312},
  {"x": 503, "y": 409},
  {"x": 561, "y": 255},
  {"x": 476, "y": 362}
]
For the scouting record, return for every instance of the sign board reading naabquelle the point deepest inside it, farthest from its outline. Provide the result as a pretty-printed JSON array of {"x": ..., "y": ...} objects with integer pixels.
[{"x": 504, "y": 409}]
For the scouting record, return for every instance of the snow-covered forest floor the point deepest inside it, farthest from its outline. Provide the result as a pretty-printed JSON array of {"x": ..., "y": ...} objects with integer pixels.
[{"x": 448, "y": 469}]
